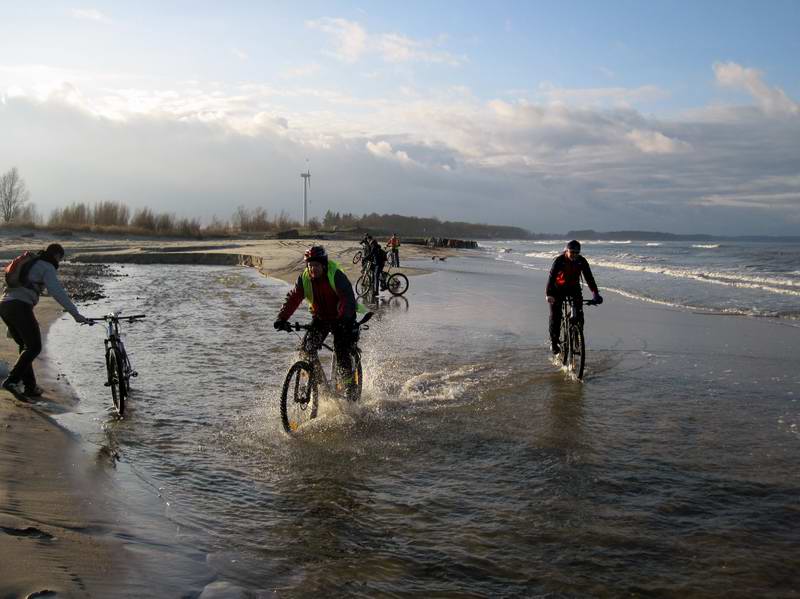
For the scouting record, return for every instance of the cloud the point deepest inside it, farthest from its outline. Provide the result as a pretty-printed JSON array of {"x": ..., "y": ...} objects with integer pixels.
[
  {"x": 301, "y": 71},
  {"x": 539, "y": 164},
  {"x": 772, "y": 100},
  {"x": 240, "y": 54},
  {"x": 350, "y": 38},
  {"x": 383, "y": 149},
  {"x": 90, "y": 14},
  {"x": 654, "y": 142},
  {"x": 352, "y": 43}
]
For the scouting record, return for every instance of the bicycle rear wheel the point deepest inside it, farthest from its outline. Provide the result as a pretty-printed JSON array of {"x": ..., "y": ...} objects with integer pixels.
[
  {"x": 116, "y": 380},
  {"x": 397, "y": 283},
  {"x": 577, "y": 351},
  {"x": 299, "y": 397}
]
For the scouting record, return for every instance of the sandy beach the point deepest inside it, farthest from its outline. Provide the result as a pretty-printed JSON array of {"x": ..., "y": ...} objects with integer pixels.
[{"x": 646, "y": 362}]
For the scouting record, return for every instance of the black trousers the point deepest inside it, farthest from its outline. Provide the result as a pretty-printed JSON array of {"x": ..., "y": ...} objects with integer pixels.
[
  {"x": 395, "y": 258},
  {"x": 345, "y": 336},
  {"x": 24, "y": 329},
  {"x": 556, "y": 311}
]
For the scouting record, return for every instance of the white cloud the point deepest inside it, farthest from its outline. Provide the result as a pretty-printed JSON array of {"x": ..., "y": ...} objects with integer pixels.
[
  {"x": 773, "y": 100},
  {"x": 655, "y": 142},
  {"x": 350, "y": 38},
  {"x": 383, "y": 149},
  {"x": 353, "y": 42},
  {"x": 90, "y": 14},
  {"x": 240, "y": 54}
]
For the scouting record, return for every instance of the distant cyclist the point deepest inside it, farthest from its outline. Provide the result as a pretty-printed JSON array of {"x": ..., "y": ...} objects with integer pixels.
[
  {"x": 565, "y": 281},
  {"x": 393, "y": 246},
  {"x": 333, "y": 308},
  {"x": 377, "y": 256}
]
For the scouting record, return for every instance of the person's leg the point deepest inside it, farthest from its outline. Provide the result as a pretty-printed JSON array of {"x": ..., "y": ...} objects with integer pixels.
[
  {"x": 24, "y": 328},
  {"x": 396, "y": 258},
  {"x": 345, "y": 337}
]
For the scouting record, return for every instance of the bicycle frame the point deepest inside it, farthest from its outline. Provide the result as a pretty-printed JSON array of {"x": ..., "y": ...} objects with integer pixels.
[{"x": 571, "y": 339}]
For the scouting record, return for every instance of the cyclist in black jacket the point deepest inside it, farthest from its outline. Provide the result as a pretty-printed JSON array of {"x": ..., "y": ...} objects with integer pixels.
[{"x": 565, "y": 281}]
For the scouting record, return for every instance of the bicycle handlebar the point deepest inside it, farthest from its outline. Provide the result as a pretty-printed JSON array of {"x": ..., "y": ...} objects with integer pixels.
[
  {"x": 116, "y": 317},
  {"x": 299, "y": 326}
]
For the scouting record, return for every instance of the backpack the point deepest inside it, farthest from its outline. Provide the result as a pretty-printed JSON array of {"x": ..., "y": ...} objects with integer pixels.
[{"x": 17, "y": 270}]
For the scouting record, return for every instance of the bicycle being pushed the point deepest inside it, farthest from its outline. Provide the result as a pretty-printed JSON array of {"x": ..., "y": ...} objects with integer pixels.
[
  {"x": 118, "y": 365},
  {"x": 305, "y": 378},
  {"x": 395, "y": 283},
  {"x": 572, "y": 342}
]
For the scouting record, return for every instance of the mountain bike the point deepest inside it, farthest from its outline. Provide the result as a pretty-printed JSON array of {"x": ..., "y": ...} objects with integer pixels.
[
  {"x": 118, "y": 365},
  {"x": 396, "y": 283},
  {"x": 300, "y": 393},
  {"x": 572, "y": 343}
]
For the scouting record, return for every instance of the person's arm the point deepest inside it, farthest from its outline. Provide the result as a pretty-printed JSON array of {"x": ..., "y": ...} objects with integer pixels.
[
  {"x": 551, "y": 278},
  {"x": 587, "y": 275},
  {"x": 293, "y": 299},
  {"x": 347, "y": 299},
  {"x": 58, "y": 293}
]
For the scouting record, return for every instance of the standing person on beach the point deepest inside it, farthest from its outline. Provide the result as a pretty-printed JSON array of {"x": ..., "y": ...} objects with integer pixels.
[
  {"x": 16, "y": 309},
  {"x": 333, "y": 309},
  {"x": 565, "y": 281},
  {"x": 394, "y": 248},
  {"x": 378, "y": 257}
]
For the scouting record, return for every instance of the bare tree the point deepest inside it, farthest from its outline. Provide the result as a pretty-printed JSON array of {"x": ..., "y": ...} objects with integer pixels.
[{"x": 13, "y": 194}]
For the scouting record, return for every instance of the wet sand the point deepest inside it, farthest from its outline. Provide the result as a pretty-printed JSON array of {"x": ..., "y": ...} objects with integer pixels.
[{"x": 51, "y": 493}]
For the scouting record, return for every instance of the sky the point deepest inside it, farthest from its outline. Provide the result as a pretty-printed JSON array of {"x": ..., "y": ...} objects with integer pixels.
[{"x": 553, "y": 116}]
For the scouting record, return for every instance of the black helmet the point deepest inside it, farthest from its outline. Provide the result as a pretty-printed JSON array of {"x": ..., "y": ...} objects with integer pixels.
[
  {"x": 316, "y": 253},
  {"x": 574, "y": 245}
]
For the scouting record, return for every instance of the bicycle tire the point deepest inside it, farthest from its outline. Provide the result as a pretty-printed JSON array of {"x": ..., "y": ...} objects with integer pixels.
[
  {"x": 397, "y": 284},
  {"x": 357, "y": 257},
  {"x": 299, "y": 396},
  {"x": 125, "y": 368},
  {"x": 364, "y": 285},
  {"x": 577, "y": 351},
  {"x": 115, "y": 379},
  {"x": 564, "y": 349},
  {"x": 358, "y": 376}
]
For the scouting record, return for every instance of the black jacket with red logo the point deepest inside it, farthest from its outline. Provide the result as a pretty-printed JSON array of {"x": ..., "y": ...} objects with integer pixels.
[{"x": 565, "y": 275}]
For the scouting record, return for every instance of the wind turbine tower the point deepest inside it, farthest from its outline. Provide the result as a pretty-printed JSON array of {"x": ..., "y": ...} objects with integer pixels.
[{"x": 306, "y": 185}]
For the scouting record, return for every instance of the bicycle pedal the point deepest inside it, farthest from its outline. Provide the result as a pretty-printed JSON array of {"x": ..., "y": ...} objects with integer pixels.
[{"x": 134, "y": 374}]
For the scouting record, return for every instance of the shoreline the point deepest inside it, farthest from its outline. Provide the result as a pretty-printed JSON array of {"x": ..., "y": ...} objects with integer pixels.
[{"x": 52, "y": 492}]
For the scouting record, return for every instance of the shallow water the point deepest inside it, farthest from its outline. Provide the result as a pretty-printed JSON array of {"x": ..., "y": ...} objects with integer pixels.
[{"x": 472, "y": 467}]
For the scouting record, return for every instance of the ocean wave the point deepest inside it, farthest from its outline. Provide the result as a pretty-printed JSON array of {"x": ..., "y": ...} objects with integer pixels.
[
  {"x": 705, "y": 309},
  {"x": 706, "y": 246},
  {"x": 653, "y": 244}
]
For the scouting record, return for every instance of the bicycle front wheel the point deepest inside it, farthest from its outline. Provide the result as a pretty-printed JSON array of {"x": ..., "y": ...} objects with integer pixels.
[
  {"x": 116, "y": 380},
  {"x": 577, "y": 351},
  {"x": 397, "y": 283},
  {"x": 563, "y": 341},
  {"x": 357, "y": 257},
  {"x": 364, "y": 285},
  {"x": 299, "y": 397}
]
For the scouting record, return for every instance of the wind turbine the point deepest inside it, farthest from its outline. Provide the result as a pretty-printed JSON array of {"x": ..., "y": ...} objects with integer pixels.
[{"x": 306, "y": 186}]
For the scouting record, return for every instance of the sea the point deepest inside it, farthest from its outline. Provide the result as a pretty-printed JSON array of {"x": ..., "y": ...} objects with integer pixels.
[{"x": 473, "y": 466}]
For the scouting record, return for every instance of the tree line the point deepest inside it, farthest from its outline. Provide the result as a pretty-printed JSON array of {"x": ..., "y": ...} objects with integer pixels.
[{"x": 116, "y": 217}]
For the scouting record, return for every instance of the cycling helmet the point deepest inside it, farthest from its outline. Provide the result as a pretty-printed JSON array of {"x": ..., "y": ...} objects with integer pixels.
[
  {"x": 574, "y": 245},
  {"x": 316, "y": 253}
]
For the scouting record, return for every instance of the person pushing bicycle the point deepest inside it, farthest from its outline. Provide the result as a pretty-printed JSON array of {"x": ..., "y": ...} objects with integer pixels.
[
  {"x": 333, "y": 306},
  {"x": 565, "y": 281}
]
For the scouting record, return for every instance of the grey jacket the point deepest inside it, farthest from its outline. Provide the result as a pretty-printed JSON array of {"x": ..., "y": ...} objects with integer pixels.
[{"x": 41, "y": 276}]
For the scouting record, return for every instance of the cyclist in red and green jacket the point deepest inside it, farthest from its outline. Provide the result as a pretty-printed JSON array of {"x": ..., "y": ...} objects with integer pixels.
[
  {"x": 565, "y": 281},
  {"x": 333, "y": 306}
]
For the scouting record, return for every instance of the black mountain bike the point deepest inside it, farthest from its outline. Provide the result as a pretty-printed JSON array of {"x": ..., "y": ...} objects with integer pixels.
[
  {"x": 300, "y": 393},
  {"x": 572, "y": 342},
  {"x": 396, "y": 283},
  {"x": 118, "y": 365}
]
